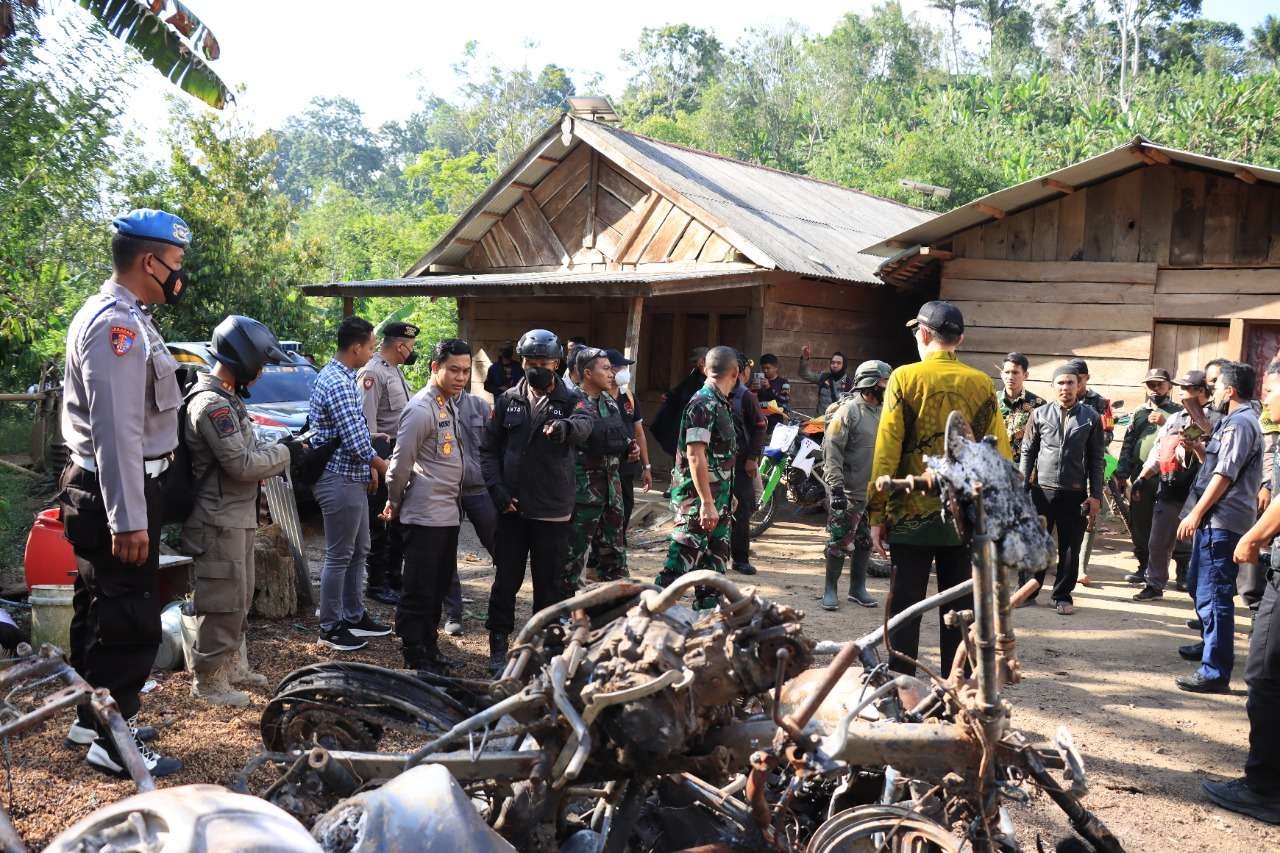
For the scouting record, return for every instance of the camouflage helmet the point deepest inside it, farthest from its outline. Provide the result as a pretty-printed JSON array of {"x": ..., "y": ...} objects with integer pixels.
[{"x": 869, "y": 374}]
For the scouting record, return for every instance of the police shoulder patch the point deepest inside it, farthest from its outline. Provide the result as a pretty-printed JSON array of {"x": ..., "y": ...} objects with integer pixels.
[
  {"x": 368, "y": 382},
  {"x": 224, "y": 423},
  {"x": 122, "y": 339}
]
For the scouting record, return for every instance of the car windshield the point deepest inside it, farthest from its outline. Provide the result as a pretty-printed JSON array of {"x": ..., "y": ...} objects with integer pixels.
[{"x": 283, "y": 383}]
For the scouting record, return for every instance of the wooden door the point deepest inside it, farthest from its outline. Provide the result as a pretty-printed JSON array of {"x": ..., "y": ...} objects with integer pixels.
[{"x": 1179, "y": 347}]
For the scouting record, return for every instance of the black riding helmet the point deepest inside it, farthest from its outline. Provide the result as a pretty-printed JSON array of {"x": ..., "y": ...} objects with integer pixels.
[
  {"x": 244, "y": 345},
  {"x": 539, "y": 343}
]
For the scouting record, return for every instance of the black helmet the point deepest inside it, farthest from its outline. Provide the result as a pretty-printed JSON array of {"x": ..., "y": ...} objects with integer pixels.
[
  {"x": 539, "y": 343},
  {"x": 244, "y": 345}
]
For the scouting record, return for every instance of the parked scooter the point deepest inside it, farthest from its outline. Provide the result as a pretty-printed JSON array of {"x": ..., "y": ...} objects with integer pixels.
[{"x": 790, "y": 467}]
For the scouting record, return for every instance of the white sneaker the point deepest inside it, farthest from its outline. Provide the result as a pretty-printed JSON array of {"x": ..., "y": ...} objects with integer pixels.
[
  {"x": 453, "y": 627},
  {"x": 79, "y": 735},
  {"x": 102, "y": 755}
]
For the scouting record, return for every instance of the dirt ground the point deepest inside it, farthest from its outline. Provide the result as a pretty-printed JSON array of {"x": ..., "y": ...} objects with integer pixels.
[{"x": 1106, "y": 672}]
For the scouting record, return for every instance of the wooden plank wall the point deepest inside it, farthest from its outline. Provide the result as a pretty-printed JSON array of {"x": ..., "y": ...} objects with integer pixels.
[
  {"x": 861, "y": 321},
  {"x": 1053, "y": 312},
  {"x": 492, "y": 321},
  {"x": 1168, "y": 215},
  {"x": 586, "y": 211}
]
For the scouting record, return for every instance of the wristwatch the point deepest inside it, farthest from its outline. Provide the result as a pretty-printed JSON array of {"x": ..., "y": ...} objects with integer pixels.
[{"x": 647, "y": 467}]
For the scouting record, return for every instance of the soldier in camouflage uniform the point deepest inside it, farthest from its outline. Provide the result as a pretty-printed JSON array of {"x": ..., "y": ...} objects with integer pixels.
[
  {"x": 1016, "y": 402},
  {"x": 598, "y": 510},
  {"x": 702, "y": 481},
  {"x": 847, "y": 448}
]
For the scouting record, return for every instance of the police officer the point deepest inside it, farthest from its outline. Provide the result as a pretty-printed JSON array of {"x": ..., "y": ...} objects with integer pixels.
[
  {"x": 120, "y": 424},
  {"x": 385, "y": 393},
  {"x": 1102, "y": 406},
  {"x": 227, "y": 464},
  {"x": 847, "y": 446},
  {"x": 527, "y": 458},
  {"x": 1139, "y": 439},
  {"x": 477, "y": 506},
  {"x": 702, "y": 480},
  {"x": 598, "y": 509},
  {"x": 424, "y": 491}
]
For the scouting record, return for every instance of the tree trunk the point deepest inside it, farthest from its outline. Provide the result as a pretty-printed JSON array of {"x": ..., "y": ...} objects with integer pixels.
[{"x": 275, "y": 593}]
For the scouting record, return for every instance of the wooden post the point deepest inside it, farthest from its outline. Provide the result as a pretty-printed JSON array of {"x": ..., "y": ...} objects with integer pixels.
[
  {"x": 589, "y": 230},
  {"x": 1236, "y": 338},
  {"x": 635, "y": 313},
  {"x": 755, "y": 323},
  {"x": 348, "y": 306},
  {"x": 713, "y": 330}
]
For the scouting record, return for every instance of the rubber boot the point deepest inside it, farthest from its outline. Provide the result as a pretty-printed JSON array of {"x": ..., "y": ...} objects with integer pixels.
[
  {"x": 858, "y": 579},
  {"x": 497, "y": 653},
  {"x": 831, "y": 592},
  {"x": 215, "y": 688},
  {"x": 244, "y": 675}
]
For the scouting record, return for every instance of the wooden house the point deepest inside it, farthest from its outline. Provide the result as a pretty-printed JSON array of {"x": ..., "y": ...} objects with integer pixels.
[
  {"x": 1144, "y": 256},
  {"x": 656, "y": 248}
]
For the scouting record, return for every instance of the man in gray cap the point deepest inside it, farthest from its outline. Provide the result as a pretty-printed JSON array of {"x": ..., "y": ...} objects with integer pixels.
[
  {"x": 120, "y": 424},
  {"x": 1139, "y": 438},
  {"x": 385, "y": 393}
]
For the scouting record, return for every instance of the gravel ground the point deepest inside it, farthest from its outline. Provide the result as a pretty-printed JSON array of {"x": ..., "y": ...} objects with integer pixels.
[{"x": 1106, "y": 672}]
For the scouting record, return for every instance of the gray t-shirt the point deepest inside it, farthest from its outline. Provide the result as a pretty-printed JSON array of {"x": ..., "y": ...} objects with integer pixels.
[{"x": 1234, "y": 450}]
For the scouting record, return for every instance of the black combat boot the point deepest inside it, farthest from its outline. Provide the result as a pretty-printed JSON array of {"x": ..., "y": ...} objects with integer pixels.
[
  {"x": 497, "y": 653},
  {"x": 831, "y": 591}
]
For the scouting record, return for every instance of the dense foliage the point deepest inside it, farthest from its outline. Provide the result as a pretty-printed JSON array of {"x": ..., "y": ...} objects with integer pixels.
[{"x": 976, "y": 96}]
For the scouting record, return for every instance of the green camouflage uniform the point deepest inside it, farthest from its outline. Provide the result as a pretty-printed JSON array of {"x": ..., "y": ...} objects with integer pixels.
[
  {"x": 1016, "y": 414},
  {"x": 597, "y": 511},
  {"x": 708, "y": 420}
]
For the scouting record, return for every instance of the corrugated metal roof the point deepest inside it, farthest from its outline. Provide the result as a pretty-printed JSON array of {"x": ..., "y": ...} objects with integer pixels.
[
  {"x": 801, "y": 224},
  {"x": 777, "y": 219},
  {"x": 597, "y": 283},
  {"x": 1037, "y": 190}
]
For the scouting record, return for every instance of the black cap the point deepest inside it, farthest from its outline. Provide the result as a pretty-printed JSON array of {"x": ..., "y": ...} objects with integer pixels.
[
  {"x": 1065, "y": 370},
  {"x": 616, "y": 358},
  {"x": 1078, "y": 366},
  {"x": 400, "y": 330},
  {"x": 1192, "y": 379},
  {"x": 1157, "y": 374},
  {"x": 940, "y": 316}
]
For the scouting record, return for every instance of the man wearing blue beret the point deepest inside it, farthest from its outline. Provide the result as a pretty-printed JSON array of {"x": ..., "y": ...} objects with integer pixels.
[{"x": 120, "y": 423}]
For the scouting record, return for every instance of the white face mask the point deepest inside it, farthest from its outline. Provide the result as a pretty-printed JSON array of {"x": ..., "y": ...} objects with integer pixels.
[{"x": 622, "y": 377}]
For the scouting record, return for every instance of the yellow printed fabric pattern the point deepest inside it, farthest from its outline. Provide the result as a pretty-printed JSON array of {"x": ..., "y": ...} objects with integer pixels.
[{"x": 917, "y": 403}]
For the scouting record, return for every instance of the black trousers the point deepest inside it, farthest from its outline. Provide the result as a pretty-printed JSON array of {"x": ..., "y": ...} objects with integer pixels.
[
  {"x": 1262, "y": 674},
  {"x": 430, "y": 564},
  {"x": 912, "y": 565},
  {"x": 115, "y": 624},
  {"x": 1061, "y": 509},
  {"x": 628, "y": 502},
  {"x": 383, "y": 566},
  {"x": 542, "y": 545},
  {"x": 744, "y": 489}
]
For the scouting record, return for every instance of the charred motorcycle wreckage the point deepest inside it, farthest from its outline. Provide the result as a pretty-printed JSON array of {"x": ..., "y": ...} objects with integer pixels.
[{"x": 624, "y": 721}]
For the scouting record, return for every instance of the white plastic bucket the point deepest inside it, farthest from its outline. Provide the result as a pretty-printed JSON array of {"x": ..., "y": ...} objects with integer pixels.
[{"x": 51, "y": 615}]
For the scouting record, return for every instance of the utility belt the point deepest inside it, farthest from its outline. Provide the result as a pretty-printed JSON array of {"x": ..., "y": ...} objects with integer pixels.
[{"x": 153, "y": 467}]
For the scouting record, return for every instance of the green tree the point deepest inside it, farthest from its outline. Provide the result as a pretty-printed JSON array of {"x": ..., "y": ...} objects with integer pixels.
[
  {"x": 327, "y": 144},
  {"x": 670, "y": 69},
  {"x": 1265, "y": 41}
]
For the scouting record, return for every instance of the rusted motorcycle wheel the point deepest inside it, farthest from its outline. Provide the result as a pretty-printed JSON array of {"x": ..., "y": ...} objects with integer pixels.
[
  {"x": 350, "y": 707},
  {"x": 883, "y": 829}
]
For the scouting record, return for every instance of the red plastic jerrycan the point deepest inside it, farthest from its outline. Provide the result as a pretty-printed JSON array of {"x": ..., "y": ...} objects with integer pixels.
[{"x": 49, "y": 557}]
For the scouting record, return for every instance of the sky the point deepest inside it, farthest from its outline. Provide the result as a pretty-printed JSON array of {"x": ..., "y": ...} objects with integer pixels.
[{"x": 285, "y": 52}]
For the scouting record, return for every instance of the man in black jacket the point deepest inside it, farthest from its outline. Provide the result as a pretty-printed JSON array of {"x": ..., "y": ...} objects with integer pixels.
[
  {"x": 527, "y": 455},
  {"x": 1063, "y": 445},
  {"x": 666, "y": 423}
]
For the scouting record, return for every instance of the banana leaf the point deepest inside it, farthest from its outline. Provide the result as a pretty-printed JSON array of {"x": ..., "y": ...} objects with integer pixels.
[
  {"x": 161, "y": 42},
  {"x": 394, "y": 317}
]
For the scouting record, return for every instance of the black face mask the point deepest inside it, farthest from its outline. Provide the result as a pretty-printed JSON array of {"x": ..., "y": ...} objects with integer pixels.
[
  {"x": 1158, "y": 399},
  {"x": 174, "y": 283},
  {"x": 876, "y": 392},
  {"x": 411, "y": 358},
  {"x": 540, "y": 378}
]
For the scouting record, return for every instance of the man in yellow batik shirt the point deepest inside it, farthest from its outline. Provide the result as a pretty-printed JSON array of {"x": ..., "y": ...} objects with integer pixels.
[{"x": 917, "y": 403}]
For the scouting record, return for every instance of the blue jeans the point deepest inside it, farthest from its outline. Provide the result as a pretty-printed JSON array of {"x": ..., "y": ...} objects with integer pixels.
[{"x": 1212, "y": 576}]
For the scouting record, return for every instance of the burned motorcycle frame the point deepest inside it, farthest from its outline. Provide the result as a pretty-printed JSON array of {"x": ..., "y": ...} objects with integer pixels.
[{"x": 624, "y": 721}]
